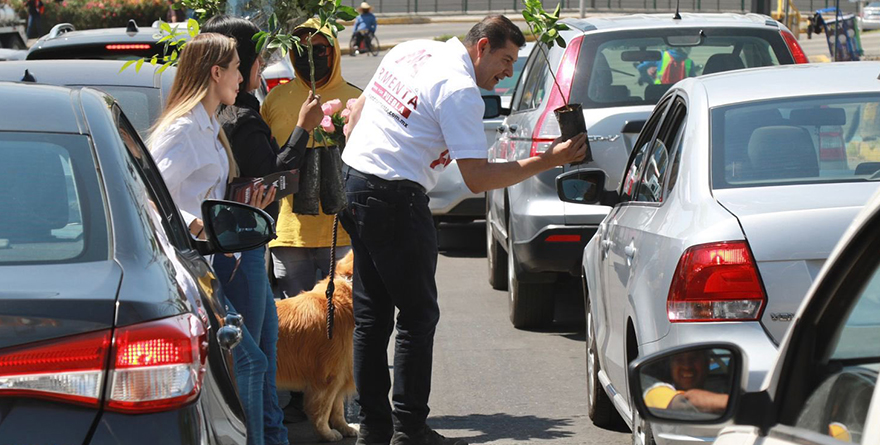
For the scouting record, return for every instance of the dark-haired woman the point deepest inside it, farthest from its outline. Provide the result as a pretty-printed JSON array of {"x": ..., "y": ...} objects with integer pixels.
[{"x": 258, "y": 154}]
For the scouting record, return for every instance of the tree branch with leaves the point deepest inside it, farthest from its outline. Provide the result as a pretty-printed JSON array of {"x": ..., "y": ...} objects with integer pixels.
[{"x": 545, "y": 27}]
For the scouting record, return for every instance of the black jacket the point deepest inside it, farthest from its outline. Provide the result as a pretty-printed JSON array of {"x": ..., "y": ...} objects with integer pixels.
[{"x": 255, "y": 150}]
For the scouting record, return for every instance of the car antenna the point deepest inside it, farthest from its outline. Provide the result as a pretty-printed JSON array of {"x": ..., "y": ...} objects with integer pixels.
[
  {"x": 132, "y": 27},
  {"x": 28, "y": 77},
  {"x": 677, "y": 16}
]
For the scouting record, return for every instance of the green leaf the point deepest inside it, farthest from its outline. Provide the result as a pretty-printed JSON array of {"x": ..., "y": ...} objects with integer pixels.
[
  {"x": 164, "y": 39},
  {"x": 153, "y": 60},
  {"x": 552, "y": 32},
  {"x": 330, "y": 38},
  {"x": 258, "y": 36},
  {"x": 560, "y": 41},
  {"x": 139, "y": 64},
  {"x": 163, "y": 68},
  {"x": 126, "y": 65},
  {"x": 346, "y": 13},
  {"x": 165, "y": 26},
  {"x": 173, "y": 56},
  {"x": 273, "y": 22},
  {"x": 193, "y": 27},
  {"x": 556, "y": 11},
  {"x": 562, "y": 27},
  {"x": 528, "y": 16}
]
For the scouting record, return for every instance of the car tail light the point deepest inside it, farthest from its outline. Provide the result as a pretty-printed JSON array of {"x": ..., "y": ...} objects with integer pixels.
[
  {"x": 68, "y": 370},
  {"x": 796, "y": 51},
  {"x": 128, "y": 46},
  {"x": 563, "y": 239},
  {"x": 831, "y": 145},
  {"x": 274, "y": 82},
  {"x": 547, "y": 129},
  {"x": 716, "y": 282},
  {"x": 157, "y": 365}
]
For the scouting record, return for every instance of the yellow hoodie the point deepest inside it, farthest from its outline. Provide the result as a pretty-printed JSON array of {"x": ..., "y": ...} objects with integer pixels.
[{"x": 281, "y": 111}]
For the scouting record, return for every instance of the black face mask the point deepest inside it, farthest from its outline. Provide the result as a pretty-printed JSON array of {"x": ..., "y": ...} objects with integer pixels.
[{"x": 322, "y": 67}]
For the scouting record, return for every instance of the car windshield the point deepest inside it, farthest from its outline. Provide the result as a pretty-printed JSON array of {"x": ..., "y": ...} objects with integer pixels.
[
  {"x": 52, "y": 205},
  {"x": 506, "y": 86},
  {"x": 817, "y": 139},
  {"x": 637, "y": 68}
]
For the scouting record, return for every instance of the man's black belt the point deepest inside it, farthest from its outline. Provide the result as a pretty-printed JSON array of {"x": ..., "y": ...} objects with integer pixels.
[{"x": 396, "y": 184}]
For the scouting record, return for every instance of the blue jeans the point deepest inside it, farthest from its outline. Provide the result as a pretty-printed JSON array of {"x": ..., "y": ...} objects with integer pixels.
[
  {"x": 249, "y": 292},
  {"x": 395, "y": 259}
]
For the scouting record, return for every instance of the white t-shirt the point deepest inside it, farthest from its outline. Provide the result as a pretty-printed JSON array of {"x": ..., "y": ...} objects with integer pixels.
[{"x": 423, "y": 110}]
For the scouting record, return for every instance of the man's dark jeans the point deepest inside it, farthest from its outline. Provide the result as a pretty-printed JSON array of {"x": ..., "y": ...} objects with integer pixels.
[{"x": 395, "y": 258}]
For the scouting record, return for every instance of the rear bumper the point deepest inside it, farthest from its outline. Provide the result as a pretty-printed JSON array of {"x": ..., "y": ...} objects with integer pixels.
[{"x": 554, "y": 249}]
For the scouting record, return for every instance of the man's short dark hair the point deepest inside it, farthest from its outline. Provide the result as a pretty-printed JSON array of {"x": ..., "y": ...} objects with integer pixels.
[{"x": 498, "y": 29}]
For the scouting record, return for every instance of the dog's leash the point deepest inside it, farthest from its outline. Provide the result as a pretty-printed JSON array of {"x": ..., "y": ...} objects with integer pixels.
[{"x": 331, "y": 287}]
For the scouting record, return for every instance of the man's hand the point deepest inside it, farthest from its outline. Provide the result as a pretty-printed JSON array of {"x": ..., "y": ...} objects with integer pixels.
[
  {"x": 565, "y": 152},
  {"x": 706, "y": 401},
  {"x": 310, "y": 113}
]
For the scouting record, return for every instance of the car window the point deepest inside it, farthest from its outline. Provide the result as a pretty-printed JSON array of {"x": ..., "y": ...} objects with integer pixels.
[
  {"x": 156, "y": 191},
  {"x": 820, "y": 139},
  {"x": 534, "y": 88},
  {"x": 633, "y": 171},
  {"x": 141, "y": 105},
  {"x": 637, "y": 67},
  {"x": 506, "y": 86},
  {"x": 52, "y": 202},
  {"x": 651, "y": 186}
]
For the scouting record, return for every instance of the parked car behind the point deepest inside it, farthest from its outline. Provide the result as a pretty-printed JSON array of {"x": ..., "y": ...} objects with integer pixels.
[
  {"x": 738, "y": 189},
  {"x": 614, "y": 67},
  {"x": 451, "y": 200},
  {"x": 822, "y": 388},
  {"x": 869, "y": 18},
  {"x": 140, "y": 94},
  {"x": 112, "y": 322}
]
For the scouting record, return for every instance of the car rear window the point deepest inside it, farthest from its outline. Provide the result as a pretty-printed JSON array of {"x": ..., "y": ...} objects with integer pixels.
[
  {"x": 52, "y": 206},
  {"x": 140, "y": 104},
  {"x": 796, "y": 141},
  {"x": 626, "y": 68}
]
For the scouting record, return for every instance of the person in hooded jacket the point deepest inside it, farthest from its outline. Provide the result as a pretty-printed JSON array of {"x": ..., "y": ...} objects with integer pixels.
[
  {"x": 257, "y": 154},
  {"x": 301, "y": 252}
]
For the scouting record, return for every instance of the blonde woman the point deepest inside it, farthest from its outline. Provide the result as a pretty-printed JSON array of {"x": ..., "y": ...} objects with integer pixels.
[{"x": 195, "y": 160}]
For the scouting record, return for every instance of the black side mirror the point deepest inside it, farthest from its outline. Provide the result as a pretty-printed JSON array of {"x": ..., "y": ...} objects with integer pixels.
[
  {"x": 234, "y": 227},
  {"x": 581, "y": 186},
  {"x": 492, "y": 107},
  {"x": 694, "y": 384}
]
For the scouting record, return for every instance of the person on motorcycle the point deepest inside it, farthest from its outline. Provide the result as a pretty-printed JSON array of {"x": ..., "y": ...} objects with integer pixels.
[{"x": 364, "y": 26}]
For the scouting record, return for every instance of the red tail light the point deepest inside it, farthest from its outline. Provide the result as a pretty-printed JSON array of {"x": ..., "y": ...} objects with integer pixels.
[
  {"x": 716, "y": 282},
  {"x": 796, "y": 51},
  {"x": 831, "y": 145},
  {"x": 70, "y": 370},
  {"x": 563, "y": 239},
  {"x": 274, "y": 82},
  {"x": 547, "y": 129},
  {"x": 128, "y": 46},
  {"x": 156, "y": 366}
]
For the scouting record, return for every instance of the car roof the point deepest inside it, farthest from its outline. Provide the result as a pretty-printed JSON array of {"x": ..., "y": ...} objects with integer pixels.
[
  {"x": 688, "y": 19},
  {"x": 145, "y": 34},
  {"x": 85, "y": 72},
  {"x": 40, "y": 108},
  {"x": 782, "y": 81}
]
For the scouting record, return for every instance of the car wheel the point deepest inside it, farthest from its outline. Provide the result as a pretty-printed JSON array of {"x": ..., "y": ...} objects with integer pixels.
[
  {"x": 497, "y": 259},
  {"x": 530, "y": 304},
  {"x": 599, "y": 407}
]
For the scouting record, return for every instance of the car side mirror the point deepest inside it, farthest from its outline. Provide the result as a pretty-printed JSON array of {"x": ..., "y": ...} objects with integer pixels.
[
  {"x": 234, "y": 227},
  {"x": 693, "y": 384},
  {"x": 493, "y": 107},
  {"x": 581, "y": 186}
]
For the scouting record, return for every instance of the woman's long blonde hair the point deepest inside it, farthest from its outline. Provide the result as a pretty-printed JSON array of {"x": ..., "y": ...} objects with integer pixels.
[{"x": 192, "y": 81}]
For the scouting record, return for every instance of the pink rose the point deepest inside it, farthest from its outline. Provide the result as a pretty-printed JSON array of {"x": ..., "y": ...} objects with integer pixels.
[
  {"x": 331, "y": 106},
  {"x": 345, "y": 113},
  {"x": 327, "y": 124},
  {"x": 350, "y": 103}
]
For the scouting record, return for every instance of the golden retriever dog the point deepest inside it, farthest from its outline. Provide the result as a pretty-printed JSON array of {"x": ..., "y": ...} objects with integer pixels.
[{"x": 309, "y": 362}]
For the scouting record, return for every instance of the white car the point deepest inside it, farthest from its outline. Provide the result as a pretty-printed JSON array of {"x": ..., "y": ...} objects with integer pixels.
[{"x": 823, "y": 387}]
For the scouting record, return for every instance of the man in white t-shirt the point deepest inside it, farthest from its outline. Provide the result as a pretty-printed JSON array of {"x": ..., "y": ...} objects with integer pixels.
[{"x": 421, "y": 110}]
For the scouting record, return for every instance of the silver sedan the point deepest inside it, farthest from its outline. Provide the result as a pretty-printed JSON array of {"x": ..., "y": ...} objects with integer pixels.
[{"x": 738, "y": 189}]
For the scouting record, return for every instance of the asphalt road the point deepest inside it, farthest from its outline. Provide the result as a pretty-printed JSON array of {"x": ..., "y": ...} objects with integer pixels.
[{"x": 493, "y": 384}]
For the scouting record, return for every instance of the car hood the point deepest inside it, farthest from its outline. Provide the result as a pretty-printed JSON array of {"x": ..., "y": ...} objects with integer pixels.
[
  {"x": 42, "y": 302},
  {"x": 791, "y": 230}
]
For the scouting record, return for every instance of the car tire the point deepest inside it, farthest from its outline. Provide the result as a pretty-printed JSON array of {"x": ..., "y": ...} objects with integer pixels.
[
  {"x": 599, "y": 407},
  {"x": 497, "y": 259},
  {"x": 530, "y": 304}
]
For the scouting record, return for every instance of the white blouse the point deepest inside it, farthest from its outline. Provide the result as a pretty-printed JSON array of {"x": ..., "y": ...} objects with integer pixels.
[{"x": 192, "y": 161}]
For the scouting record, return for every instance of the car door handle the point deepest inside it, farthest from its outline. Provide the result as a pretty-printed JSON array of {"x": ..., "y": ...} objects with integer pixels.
[
  {"x": 606, "y": 245},
  {"x": 630, "y": 251},
  {"x": 502, "y": 128},
  {"x": 513, "y": 128}
]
